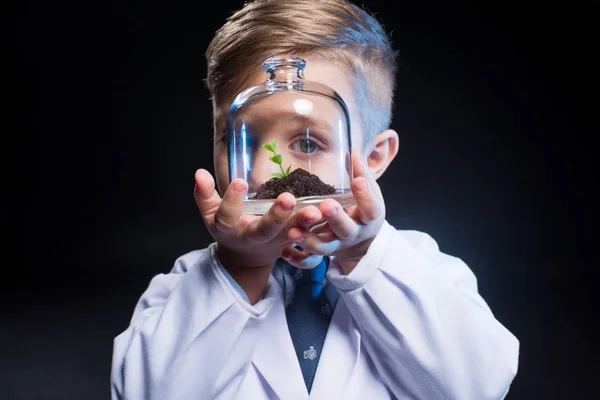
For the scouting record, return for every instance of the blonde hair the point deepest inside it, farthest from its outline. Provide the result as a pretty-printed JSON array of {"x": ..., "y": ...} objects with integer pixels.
[{"x": 335, "y": 30}]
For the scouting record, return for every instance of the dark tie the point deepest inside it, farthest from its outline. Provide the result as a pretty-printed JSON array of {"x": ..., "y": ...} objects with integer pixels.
[{"x": 308, "y": 316}]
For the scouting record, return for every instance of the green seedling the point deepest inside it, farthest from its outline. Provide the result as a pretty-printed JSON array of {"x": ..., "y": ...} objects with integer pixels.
[{"x": 276, "y": 158}]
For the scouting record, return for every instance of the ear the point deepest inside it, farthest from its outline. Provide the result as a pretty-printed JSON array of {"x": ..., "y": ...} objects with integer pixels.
[{"x": 382, "y": 151}]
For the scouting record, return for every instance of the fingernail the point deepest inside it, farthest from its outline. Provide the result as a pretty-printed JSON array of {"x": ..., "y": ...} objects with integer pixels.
[
  {"x": 331, "y": 213},
  {"x": 239, "y": 186},
  {"x": 286, "y": 205},
  {"x": 307, "y": 221},
  {"x": 361, "y": 184}
]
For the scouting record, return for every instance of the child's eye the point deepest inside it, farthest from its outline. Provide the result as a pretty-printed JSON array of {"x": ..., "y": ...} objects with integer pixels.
[{"x": 305, "y": 146}]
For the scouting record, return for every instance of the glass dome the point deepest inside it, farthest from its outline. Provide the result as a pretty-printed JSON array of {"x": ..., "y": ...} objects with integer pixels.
[{"x": 290, "y": 135}]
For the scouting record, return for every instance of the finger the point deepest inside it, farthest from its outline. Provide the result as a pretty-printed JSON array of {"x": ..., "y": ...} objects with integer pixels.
[
  {"x": 301, "y": 259},
  {"x": 366, "y": 193},
  {"x": 361, "y": 169},
  {"x": 229, "y": 211},
  {"x": 267, "y": 227},
  {"x": 359, "y": 166},
  {"x": 340, "y": 223},
  {"x": 308, "y": 217},
  {"x": 207, "y": 198},
  {"x": 301, "y": 222},
  {"x": 323, "y": 243},
  {"x": 297, "y": 235},
  {"x": 349, "y": 163}
]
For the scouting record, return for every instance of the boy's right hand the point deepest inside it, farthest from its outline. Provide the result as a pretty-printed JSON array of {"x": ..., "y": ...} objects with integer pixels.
[{"x": 249, "y": 245}]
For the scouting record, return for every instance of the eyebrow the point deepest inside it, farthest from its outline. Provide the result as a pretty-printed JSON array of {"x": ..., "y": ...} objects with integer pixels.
[
  {"x": 287, "y": 117},
  {"x": 304, "y": 120}
]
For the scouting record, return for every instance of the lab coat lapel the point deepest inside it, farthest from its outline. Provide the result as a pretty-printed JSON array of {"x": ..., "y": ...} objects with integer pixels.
[
  {"x": 275, "y": 357},
  {"x": 341, "y": 351}
]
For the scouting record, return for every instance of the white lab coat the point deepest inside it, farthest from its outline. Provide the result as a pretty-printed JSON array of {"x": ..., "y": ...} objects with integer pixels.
[{"x": 409, "y": 324}]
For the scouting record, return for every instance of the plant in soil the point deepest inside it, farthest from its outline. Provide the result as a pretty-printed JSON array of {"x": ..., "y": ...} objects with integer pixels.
[{"x": 299, "y": 182}]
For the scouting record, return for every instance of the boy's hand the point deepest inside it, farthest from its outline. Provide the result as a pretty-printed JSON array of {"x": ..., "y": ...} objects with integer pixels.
[
  {"x": 347, "y": 233},
  {"x": 255, "y": 241},
  {"x": 248, "y": 245}
]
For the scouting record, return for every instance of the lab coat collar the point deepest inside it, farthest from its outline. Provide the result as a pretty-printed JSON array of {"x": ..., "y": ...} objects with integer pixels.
[{"x": 274, "y": 356}]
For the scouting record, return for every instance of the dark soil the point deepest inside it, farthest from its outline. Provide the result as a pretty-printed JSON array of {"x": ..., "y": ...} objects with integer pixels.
[{"x": 299, "y": 182}]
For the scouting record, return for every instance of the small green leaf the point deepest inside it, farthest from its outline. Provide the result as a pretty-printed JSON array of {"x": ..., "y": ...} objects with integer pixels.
[
  {"x": 277, "y": 175},
  {"x": 287, "y": 171},
  {"x": 274, "y": 145},
  {"x": 269, "y": 147},
  {"x": 276, "y": 158}
]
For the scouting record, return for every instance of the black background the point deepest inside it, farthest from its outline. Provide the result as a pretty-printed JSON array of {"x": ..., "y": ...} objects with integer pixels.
[{"x": 108, "y": 119}]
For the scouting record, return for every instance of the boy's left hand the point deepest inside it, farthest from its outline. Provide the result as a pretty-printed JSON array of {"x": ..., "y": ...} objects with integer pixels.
[{"x": 345, "y": 233}]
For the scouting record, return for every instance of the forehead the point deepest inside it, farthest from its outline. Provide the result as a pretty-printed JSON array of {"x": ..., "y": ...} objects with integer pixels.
[{"x": 318, "y": 70}]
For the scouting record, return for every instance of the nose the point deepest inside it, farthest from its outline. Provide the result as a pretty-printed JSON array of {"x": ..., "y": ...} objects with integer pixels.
[{"x": 262, "y": 170}]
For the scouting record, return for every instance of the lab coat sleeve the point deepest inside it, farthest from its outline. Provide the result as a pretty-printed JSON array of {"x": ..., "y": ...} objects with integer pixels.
[
  {"x": 192, "y": 335},
  {"x": 423, "y": 323}
]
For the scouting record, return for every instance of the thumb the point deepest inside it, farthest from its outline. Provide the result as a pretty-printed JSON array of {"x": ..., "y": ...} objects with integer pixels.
[
  {"x": 362, "y": 170},
  {"x": 207, "y": 198}
]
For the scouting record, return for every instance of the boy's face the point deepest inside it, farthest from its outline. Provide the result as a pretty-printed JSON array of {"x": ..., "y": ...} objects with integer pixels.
[{"x": 271, "y": 113}]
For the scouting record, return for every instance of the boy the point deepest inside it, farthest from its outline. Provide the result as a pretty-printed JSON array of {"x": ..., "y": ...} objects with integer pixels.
[{"x": 391, "y": 317}]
